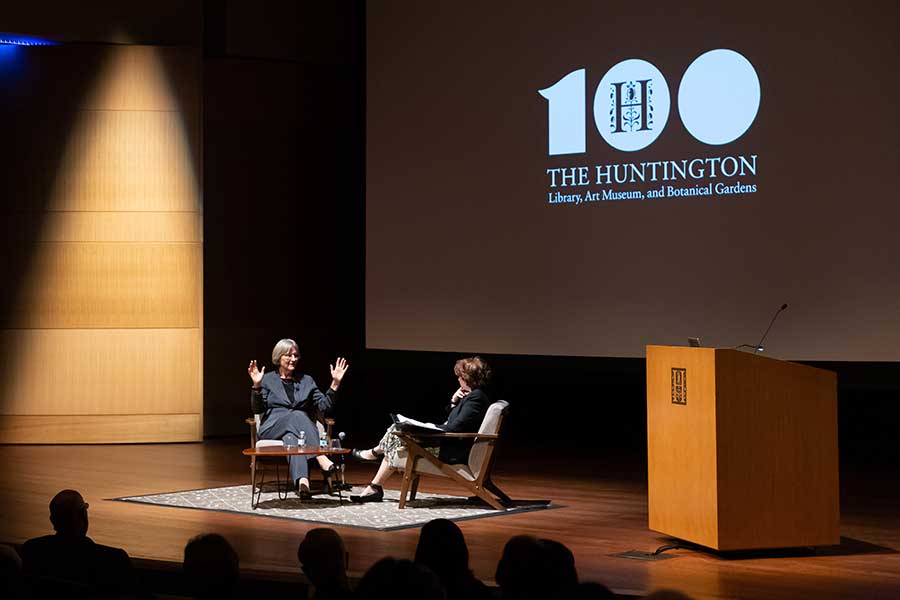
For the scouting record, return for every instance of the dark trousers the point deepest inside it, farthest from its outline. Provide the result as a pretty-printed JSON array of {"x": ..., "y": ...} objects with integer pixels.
[{"x": 286, "y": 425}]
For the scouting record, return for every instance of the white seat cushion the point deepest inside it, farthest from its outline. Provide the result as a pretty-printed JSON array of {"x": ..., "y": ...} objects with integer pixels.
[{"x": 268, "y": 443}]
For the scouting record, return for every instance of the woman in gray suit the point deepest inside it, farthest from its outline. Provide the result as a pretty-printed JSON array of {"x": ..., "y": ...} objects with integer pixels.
[{"x": 287, "y": 400}]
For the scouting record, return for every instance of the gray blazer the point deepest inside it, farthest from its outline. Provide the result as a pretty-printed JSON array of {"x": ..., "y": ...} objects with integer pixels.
[{"x": 280, "y": 416}]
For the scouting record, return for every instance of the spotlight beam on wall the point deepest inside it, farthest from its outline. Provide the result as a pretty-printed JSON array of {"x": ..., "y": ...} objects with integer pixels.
[{"x": 105, "y": 332}]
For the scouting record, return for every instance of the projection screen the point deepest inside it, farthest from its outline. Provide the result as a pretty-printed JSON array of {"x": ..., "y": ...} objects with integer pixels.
[{"x": 586, "y": 178}]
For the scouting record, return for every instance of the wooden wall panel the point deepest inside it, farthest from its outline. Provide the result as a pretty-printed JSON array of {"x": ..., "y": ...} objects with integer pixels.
[
  {"x": 102, "y": 371},
  {"x": 33, "y": 227},
  {"x": 82, "y": 285},
  {"x": 104, "y": 254},
  {"x": 136, "y": 79},
  {"x": 121, "y": 77},
  {"x": 99, "y": 429},
  {"x": 121, "y": 160}
]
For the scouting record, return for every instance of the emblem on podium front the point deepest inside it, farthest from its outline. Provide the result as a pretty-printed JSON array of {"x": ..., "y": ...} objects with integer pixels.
[{"x": 679, "y": 385}]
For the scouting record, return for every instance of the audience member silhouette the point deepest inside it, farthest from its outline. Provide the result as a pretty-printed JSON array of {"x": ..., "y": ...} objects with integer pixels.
[
  {"x": 69, "y": 563},
  {"x": 389, "y": 579},
  {"x": 533, "y": 569},
  {"x": 10, "y": 572},
  {"x": 518, "y": 567},
  {"x": 560, "y": 566},
  {"x": 211, "y": 567},
  {"x": 324, "y": 561},
  {"x": 442, "y": 548}
]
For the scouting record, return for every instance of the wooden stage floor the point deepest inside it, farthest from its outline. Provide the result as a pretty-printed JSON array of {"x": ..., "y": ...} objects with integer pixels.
[{"x": 605, "y": 512}]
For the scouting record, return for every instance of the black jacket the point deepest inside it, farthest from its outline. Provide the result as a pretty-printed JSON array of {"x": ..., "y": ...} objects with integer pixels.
[
  {"x": 466, "y": 417},
  {"x": 77, "y": 559}
]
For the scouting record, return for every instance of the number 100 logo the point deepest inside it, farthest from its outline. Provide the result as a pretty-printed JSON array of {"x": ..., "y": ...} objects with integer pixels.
[{"x": 718, "y": 99}]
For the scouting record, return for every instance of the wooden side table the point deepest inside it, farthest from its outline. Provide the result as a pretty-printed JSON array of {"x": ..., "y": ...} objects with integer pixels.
[{"x": 259, "y": 455}]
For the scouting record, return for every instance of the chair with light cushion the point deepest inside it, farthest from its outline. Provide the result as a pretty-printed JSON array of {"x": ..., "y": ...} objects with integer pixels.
[
  {"x": 261, "y": 462},
  {"x": 474, "y": 476}
]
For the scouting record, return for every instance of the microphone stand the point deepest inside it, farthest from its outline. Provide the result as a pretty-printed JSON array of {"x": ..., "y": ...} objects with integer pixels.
[{"x": 759, "y": 347}]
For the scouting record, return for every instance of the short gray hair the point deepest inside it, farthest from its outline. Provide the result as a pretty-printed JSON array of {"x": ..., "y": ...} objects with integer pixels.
[{"x": 283, "y": 347}]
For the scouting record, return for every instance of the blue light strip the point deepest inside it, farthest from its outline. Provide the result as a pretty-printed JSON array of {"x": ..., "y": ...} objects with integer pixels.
[{"x": 11, "y": 39}]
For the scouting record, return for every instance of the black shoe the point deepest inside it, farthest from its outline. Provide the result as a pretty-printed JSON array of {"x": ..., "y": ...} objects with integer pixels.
[
  {"x": 377, "y": 496},
  {"x": 357, "y": 454},
  {"x": 302, "y": 492},
  {"x": 328, "y": 484}
]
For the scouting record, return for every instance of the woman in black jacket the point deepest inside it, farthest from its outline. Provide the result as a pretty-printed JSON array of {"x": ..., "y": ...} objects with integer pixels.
[{"x": 468, "y": 406}]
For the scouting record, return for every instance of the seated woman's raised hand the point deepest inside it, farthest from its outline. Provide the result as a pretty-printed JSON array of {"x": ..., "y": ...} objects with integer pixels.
[
  {"x": 255, "y": 374},
  {"x": 338, "y": 370},
  {"x": 457, "y": 396}
]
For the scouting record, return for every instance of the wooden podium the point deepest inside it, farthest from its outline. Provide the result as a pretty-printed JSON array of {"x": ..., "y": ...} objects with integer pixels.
[{"x": 742, "y": 449}]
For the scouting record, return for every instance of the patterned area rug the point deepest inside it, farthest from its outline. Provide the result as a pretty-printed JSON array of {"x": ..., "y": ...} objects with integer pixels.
[{"x": 328, "y": 509}]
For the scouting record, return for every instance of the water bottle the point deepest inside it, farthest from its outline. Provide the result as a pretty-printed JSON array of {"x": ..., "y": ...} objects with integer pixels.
[
  {"x": 302, "y": 439},
  {"x": 323, "y": 440}
]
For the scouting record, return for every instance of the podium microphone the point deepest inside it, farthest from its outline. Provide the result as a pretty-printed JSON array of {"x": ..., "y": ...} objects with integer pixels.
[{"x": 759, "y": 347}]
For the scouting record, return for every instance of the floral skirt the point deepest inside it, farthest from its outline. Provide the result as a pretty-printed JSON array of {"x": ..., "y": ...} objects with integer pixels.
[{"x": 394, "y": 449}]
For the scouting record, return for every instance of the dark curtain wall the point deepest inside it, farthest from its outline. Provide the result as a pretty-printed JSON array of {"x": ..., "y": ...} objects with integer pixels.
[{"x": 283, "y": 203}]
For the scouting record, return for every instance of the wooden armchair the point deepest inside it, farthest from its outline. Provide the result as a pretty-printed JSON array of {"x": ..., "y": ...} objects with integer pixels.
[
  {"x": 258, "y": 463},
  {"x": 475, "y": 476}
]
